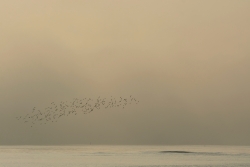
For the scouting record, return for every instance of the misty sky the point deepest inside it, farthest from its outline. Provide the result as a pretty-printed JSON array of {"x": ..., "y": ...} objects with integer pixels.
[{"x": 187, "y": 61}]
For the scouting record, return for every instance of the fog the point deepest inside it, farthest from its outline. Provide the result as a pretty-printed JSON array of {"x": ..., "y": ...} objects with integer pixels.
[{"x": 186, "y": 61}]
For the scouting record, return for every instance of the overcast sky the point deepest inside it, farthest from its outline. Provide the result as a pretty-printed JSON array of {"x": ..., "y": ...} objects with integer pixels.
[{"x": 187, "y": 61}]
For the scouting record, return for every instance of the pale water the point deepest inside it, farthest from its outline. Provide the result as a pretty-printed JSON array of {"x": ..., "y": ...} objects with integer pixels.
[{"x": 124, "y": 156}]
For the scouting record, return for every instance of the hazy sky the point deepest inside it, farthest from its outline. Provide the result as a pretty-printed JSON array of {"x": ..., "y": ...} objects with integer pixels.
[{"x": 187, "y": 61}]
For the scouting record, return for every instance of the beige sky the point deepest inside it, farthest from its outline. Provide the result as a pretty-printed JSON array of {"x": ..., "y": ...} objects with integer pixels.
[{"x": 188, "y": 62}]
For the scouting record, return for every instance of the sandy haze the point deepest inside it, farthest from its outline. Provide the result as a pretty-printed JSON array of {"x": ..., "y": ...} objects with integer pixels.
[{"x": 188, "y": 62}]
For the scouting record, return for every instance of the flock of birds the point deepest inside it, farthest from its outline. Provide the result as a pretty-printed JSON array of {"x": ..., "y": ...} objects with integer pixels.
[{"x": 77, "y": 106}]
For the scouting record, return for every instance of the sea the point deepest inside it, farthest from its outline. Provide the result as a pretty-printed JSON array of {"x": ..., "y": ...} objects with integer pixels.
[{"x": 124, "y": 156}]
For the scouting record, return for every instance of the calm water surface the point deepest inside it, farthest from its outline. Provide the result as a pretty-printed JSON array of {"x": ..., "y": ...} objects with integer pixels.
[{"x": 124, "y": 156}]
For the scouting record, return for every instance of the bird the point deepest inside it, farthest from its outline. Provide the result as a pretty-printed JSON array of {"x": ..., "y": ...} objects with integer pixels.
[{"x": 65, "y": 108}]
